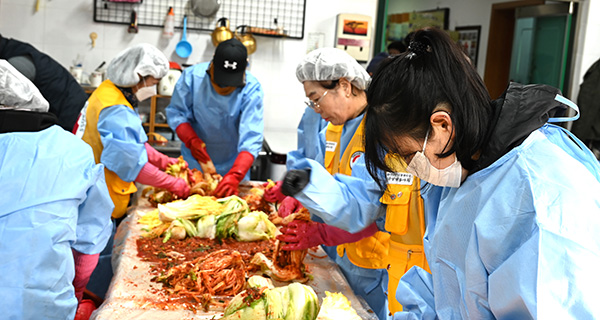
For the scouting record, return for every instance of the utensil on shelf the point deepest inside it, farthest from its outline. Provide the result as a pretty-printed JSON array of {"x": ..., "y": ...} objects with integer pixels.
[
  {"x": 246, "y": 38},
  {"x": 221, "y": 32},
  {"x": 184, "y": 48}
]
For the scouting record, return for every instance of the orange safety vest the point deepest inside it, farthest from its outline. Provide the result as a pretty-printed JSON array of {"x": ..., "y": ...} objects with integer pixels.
[
  {"x": 370, "y": 252},
  {"x": 402, "y": 248},
  {"x": 405, "y": 220},
  {"x": 106, "y": 95}
]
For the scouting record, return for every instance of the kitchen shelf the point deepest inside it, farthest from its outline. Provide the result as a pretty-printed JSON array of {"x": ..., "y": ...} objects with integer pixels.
[
  {"x": 152, "y": 124},
  {"x": 272, "y": 18}
]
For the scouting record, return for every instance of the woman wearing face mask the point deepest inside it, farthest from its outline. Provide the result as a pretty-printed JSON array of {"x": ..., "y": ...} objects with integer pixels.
[
  {"x": 511, "y": 201},
  {"x": 373, "y": 236},
  {"x": 111, "y": 126}
]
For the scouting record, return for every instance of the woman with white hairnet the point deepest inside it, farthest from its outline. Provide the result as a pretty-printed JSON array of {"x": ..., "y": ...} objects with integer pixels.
[
  {"x": 338, "y": 190},
  {"x": 112, "y": 127},
  {"x": 55, "y": 217}
]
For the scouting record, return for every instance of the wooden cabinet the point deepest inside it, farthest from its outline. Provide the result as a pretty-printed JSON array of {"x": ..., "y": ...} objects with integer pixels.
[{"x": 157, "y": 102}]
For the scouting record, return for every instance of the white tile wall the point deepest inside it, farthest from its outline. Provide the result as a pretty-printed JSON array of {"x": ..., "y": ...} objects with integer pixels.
[{"x": 61, "y": 28}]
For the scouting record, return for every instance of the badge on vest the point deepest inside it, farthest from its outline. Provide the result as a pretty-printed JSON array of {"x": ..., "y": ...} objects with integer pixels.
[
  {"x": 399, "y": 178},
  {"x": 330, "y": 146},
  {"x": 355, "y": 157}
]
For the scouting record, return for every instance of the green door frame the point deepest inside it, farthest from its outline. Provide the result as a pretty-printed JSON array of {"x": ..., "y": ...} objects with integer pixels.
[{"x": 380, "y": 44}]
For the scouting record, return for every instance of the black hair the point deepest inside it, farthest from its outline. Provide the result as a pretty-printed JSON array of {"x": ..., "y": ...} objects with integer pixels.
[
  {"x": 406, "y": 91},
  {"x": 398, "y": 45}
]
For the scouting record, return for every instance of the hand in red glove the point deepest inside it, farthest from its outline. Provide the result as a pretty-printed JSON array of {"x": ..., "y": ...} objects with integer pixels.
[
  {"x": 186, "y": 133},
  {"x": 231, "y": 180},
  {"x": 273, "y": 194},
  {"x": 288, "y": 206},
  {"x": 158, "y": 159},
  {"x": 84, "y": 309},
  {"x": 300, "y": 235},
  {"x": 84, "y": 266},
  {"x": 150, "y": 175}
]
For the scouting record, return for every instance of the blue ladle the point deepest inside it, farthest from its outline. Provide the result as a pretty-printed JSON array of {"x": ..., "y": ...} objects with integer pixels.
[{"x": 184, "y": 48}]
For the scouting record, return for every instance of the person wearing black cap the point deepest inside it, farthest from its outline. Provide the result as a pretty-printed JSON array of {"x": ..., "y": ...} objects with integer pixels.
[{"x": 217, "y": 112}]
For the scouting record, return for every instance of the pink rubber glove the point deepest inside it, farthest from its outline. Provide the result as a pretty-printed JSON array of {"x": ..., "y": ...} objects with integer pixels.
[
  {"x": 301, "y": 235},
  {"x": 274, "y": 194},
  {"x": 231, "y": 180},
  {"x": 152, "y": 176},
  {"x": 288, "y": 206},
  {"x": 158, "y": 159},
  {"x": 84, "y": 266}
]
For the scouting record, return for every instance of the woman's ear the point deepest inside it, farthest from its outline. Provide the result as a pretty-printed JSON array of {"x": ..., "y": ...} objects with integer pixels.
[
  {"x": 441, "y": 124},
  {"x": 346, "y": 87}
]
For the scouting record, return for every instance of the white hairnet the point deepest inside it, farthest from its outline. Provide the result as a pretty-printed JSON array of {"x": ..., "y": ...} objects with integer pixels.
[
  {"x": 143, "y": 59},
  {"x": 17, "y": 92},
  {"x": 332, "y": 64}
]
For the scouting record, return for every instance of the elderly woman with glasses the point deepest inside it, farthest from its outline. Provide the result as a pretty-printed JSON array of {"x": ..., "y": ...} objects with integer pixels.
[{"x": 348, "y": 218}]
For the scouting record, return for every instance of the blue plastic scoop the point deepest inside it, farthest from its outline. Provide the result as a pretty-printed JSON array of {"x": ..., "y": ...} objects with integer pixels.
[{"x": 184, "y": 48}]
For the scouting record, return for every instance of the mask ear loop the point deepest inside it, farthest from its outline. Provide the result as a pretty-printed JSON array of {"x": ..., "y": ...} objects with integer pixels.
[
  {"x": 568, "y": 103},
  {"x": 425, "y": 143}
]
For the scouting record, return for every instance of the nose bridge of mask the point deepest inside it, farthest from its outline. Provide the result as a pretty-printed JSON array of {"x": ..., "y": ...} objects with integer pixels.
[{"x": 568, "y": 103}]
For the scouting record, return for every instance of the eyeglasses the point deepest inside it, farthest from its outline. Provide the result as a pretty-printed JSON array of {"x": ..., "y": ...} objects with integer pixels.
[{"x": 315, "y": 104}]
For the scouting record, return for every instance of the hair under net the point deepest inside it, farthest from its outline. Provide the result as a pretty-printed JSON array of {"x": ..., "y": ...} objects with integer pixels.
[
  {"x": 17, "y": 92},
  {"x": 332, "y": 64},
  {"x": 143, "y": 59}
]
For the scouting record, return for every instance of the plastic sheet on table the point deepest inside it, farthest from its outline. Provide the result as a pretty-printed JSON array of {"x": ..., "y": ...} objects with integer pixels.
[{"x": 132, "y": 294}]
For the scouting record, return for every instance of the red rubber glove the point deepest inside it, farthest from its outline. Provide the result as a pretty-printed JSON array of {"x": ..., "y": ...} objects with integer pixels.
[
  {"x": 84, "y": 309},
  {"x": 231, "y": 180},
  {"x": 84, "y": 266},
  {"x": 186, "y": 133},
  {"x": 158, "y": 159},
  {"x": 288, "y": 206},
  {"x": 274, "y": 194},
  {"x": 152, "y": 176},
  {"x": 300, "y": 235}
]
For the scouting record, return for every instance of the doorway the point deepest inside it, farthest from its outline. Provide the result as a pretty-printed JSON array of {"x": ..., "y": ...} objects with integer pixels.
[
  {"x": 530, "y": 41},
  {"x": 540, "y": 49}
]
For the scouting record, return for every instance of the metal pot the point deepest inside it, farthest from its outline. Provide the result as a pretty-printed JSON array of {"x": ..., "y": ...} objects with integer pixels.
[
  {"x": 221, "y": 32},
  {"x": 205, "y": 8},
  {"x": 246, "y": 39}
]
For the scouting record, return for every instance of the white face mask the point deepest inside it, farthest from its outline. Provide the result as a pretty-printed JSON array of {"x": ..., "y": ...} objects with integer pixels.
[
  {"x": 422, "y": 168},
  {"x": 144, "y": 92}
]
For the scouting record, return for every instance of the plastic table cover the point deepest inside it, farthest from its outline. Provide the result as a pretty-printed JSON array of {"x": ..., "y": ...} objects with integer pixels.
[{"x": 131, "y": 293}]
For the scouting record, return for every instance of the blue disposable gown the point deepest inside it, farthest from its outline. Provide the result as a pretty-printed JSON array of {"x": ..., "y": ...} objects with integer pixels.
[
  {"x": 123, "y": 138},
  {"x": 311, "y": 138},
  {"x": 518, "y": 239},
  {"x": 54, "y": 199},
  {"x": 347, "y": 202},
  {"x": 227, "y": 124}
]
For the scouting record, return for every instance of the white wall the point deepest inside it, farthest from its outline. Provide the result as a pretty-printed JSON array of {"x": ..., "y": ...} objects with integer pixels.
[
  {"x": 587, "y": 46},
  {"x": 61, "y": 29}
]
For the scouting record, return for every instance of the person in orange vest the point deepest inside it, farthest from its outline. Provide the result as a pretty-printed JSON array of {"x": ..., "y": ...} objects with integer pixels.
[
  {"x": 344, "y": 201},
  {"x": 112, "y": 127}
]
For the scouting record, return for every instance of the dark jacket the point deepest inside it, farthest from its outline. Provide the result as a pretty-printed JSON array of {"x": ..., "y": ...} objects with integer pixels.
[
  {"x": 520, "y": 110},
  {"x": 587, "y": 127},
  {"x": 56, "y": 84}
]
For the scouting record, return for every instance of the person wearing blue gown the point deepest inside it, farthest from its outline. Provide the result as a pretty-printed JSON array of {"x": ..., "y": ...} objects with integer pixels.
[
  {"x": 110, "y": 124},
  {"x": 55, "y": 213},
  {"x": 511, "y": 200},
  {"x": 217, "y": 112}
]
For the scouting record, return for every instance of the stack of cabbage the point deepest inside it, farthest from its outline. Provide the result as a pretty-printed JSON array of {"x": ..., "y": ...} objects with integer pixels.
[
  {"x": 292, "y": 302},
  {"x": 207, "y": 217}
]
